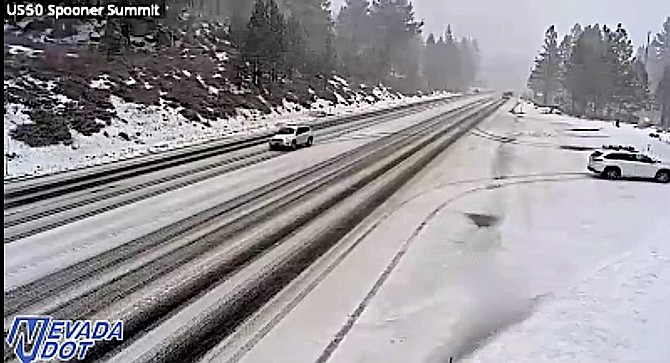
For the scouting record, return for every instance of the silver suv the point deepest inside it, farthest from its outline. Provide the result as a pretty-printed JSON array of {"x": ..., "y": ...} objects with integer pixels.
[{"x": 292, "y": 136}]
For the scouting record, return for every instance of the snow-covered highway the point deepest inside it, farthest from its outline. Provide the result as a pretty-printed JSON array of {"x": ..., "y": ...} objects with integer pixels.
[
  {"x": 67, "y": 197},
  {"x": 124, "y": 263},
  {"x": 94, "y": 235}
]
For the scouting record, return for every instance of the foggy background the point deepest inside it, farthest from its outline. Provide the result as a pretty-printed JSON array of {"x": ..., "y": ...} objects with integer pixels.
[{"x": 510, "y": 32}]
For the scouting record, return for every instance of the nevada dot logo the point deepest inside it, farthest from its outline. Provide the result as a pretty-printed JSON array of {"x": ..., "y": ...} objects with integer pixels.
[{"x": 42, "y": 338}]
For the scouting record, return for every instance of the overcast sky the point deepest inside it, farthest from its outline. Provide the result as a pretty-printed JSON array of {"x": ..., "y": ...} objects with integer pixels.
[{"x": 510, "y": 32}]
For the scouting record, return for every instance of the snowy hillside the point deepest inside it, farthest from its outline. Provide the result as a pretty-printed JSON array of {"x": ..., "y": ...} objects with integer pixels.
[
  {"x": 67, "y": 106},
  {"x": 140, "y": 130}
]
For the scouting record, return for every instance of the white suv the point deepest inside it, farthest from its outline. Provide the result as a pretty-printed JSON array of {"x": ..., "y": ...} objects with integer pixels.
[
  {"x": 292, "y": 136},
  {"x": 615, "y": 164}
]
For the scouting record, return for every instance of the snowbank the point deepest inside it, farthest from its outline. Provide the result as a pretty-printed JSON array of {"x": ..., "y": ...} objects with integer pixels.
[{"x": 616, "y": 313}]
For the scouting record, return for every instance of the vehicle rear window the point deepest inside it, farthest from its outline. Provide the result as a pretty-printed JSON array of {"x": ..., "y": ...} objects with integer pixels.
[
  {"x": 286, "y": 131},
  {"x": 596, "y": 153}
]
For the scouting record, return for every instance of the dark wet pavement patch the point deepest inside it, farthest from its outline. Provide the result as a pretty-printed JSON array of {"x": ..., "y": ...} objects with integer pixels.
[
  {"x": 482, "y": 220},
  {"x": 577, "y": 148},
  {"x": 594, "y": 129}
]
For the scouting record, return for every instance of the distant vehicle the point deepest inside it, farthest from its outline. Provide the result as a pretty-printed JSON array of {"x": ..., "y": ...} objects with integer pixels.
[
  {"x": 616, "y": 164},
  {"x": 321, "y": 114},
  {"x": 507, "y": 95},
  {"x": 292, "y": 136},
  {"x": 159, "y": 147}
]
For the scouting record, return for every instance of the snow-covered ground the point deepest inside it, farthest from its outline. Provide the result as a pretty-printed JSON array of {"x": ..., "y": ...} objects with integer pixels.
[
  {"x": 156, "y": 129},
  {"x": 500, "y": 252}
]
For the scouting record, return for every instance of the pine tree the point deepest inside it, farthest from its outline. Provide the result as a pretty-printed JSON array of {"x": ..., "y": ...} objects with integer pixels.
[
  {"x": 408, "y": 65},
  {"x": 328, "y": 57},
  {"x": 442, "y": 56},
  {"x": 235, "y": 8},
  {"x": 467, "y": 61},
  {"x": 565, "y": 51},
  {"x": 630, "y": 86},
  {"x": 661, "y": 42},
  {"x": 475, "y": 59},
  {"x": 450, "y": 64},
  {"x": 663, "y": 95},
  {"x": 575, "y": 33},
  {"x": 316, "y": 19},
  {"x": 452, "y": 61},
  {"x": 263, "y": 40},
  {"x": 545, "y": 75},
  {"x": 277, "y": 42},
  {"x": 431, "y": 65},
  {"x": 564, "y": 54},
  {"x": 643, "y": 94},
  {"x": 587, "y": 71},
  {"x": 256, "y": 37},
  {"x": 601, "y": 74},
  {"x": 353, "y": 36},
  {"x": 612, "y": 67},
  {"x": 294, "y": 57},
  {"x": 237, "y": 30},
  {"x": 661, "y": 63},
  {"x": 395, "y": 27}
]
